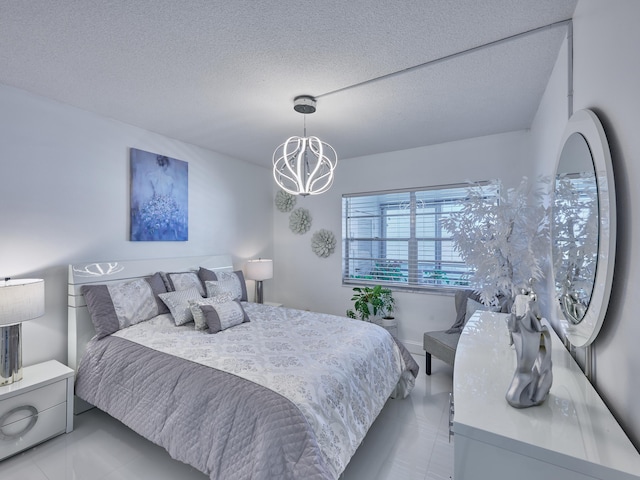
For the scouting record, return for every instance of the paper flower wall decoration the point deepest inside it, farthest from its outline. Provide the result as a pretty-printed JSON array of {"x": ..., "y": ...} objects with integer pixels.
[
  {"x": 323, "y": 243},
  {"x": 300, "y": 221},
  {"x": 285, "y": 201}
]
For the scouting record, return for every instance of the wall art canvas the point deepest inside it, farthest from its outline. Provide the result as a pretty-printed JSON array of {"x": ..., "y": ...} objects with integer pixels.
[{"x": 159, "y": 197}]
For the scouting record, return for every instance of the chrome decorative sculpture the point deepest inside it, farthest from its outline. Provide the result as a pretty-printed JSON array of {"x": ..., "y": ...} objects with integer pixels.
[{"x": 533, "y": 376}]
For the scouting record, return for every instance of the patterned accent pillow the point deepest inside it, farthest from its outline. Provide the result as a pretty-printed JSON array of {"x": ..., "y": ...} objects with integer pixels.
[
  {"x": 178, "y": 303},
  {"x": 177, "y": 281},
  {"x": 118, "y": 305},
  {"x": 224, "y": 315},
  {"x": 196, "y": 310},
  {"x": 229, "y": 281},
  {"x": 235, "y": 282},
  {"x": 218, "y": 288}
]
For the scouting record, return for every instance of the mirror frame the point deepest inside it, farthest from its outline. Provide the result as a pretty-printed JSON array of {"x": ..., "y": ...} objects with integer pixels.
[{"x": 586, "y": 123}]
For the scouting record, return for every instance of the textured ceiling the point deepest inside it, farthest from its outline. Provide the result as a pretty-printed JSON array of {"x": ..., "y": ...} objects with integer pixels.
[{"x": 223, "y": 74}]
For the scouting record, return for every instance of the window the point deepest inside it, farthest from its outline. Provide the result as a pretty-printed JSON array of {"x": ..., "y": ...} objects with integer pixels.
[{"x": 396, "y": 238}]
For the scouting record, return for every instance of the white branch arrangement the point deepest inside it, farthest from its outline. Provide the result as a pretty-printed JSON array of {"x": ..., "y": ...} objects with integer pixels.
[{"x": 506, "y": 242}]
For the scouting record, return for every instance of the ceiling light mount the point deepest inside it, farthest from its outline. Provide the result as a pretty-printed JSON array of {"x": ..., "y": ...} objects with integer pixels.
[
  {"x": 304, "y": 165},
  {"x": 304, "y": 104}
]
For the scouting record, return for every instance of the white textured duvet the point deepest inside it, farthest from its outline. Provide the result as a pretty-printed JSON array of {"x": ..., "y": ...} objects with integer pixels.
[{"x": 338, "y": 372}]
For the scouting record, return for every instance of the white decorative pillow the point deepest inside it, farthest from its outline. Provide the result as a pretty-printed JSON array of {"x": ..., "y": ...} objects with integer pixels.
[
  {"x": 196, "y": 310},
  {"x": 224, "y": 315},
  {"x": 235, "y": 281},
  {"x": 473, "y": 306},
  {"x": 178, "y": 303},
  {"x": 133, "y": 301},
  {"x": 225, "y": 283},
  {"x": 177, "y": 281},
  {"x": 217, "y": 288}
]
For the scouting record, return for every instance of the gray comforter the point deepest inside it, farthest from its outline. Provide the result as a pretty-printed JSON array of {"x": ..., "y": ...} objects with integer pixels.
[
  {"x": 224, "y": 425},
  {"x": 188, "y": 409}
]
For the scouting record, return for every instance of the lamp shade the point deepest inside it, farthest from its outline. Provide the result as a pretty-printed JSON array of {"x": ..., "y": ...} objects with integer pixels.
[
  {"x": 261, "y": 269},
  {"x": 21, "y": 300}
]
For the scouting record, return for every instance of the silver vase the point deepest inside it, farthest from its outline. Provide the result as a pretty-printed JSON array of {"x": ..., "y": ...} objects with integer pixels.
[{"x": 532, "y": 341}]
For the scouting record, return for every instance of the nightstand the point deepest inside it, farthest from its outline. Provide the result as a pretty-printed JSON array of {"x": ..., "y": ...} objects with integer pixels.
[{"x": 37, "y": 408}]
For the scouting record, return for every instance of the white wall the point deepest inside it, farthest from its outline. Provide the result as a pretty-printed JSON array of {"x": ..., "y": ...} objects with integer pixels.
[
  {"x": 303, "y": 280},
  {"x": 606, "y": 79},
  {"x": 64, "y": 178},
  {"x": 607, "y": 75}
]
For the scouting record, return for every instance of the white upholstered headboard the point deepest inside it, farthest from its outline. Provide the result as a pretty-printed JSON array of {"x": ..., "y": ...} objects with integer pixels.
[{"x": 80, "y": 328}]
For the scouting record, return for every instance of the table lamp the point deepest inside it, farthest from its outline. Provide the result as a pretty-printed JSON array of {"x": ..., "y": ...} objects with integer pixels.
[
  {"x": 20, "y": 300},
  {"x": 259, "y": 270}
]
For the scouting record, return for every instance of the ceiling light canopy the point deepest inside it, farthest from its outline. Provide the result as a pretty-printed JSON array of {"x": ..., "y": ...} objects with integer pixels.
[{"x": 304, "y": 165}]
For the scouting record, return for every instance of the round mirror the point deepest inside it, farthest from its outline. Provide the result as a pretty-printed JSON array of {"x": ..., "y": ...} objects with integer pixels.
[
  {"x": 575, "y": 228},
  {"x": 583, "y": 228}
]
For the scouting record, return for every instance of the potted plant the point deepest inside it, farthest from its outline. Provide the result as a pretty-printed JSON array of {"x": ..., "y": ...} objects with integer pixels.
[
  {"x": 388, "y": 306},
  {"x": 374, "y": 304}
]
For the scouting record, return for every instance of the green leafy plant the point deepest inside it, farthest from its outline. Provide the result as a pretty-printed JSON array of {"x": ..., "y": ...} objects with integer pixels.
[{"x": 371, "y": 301}]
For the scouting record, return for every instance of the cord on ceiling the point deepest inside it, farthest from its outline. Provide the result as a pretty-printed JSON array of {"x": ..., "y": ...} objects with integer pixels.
[{"x": 452, "y": 56}]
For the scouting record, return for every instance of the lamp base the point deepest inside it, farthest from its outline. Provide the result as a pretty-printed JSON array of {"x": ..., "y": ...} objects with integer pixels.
[
  {"x": 259, "y": 297},
  {"x": 10, "y": 354}
]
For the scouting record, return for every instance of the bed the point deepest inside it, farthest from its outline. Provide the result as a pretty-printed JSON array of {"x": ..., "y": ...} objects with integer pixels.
[{"x": 282, "y": 393}]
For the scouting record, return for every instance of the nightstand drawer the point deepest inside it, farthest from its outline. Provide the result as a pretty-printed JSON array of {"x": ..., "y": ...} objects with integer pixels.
[
  {"x": 30, "y": 431},
  {"x": 40, "y": 399}
]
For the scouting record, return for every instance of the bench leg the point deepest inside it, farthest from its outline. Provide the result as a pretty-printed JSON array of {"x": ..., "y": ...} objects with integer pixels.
[{"x": 428, "y": 365}]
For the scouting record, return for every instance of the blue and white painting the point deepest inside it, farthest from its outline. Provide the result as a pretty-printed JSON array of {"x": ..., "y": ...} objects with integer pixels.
[{"x": 159, "y": 198}]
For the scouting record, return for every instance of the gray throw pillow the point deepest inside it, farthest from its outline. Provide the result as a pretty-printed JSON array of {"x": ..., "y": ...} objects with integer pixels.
[
  {"x": 206, "y": 275},
  {"x": 196, "y": 308},
  {"x": 224, "y": 315},
  {"x": 157, "y": 285},
  {"x": 461, "y": 310}
]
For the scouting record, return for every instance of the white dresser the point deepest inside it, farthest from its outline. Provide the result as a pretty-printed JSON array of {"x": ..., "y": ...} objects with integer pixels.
[
  {"x": 37, "y": 408},
  {"x": 571, "y": 436}
]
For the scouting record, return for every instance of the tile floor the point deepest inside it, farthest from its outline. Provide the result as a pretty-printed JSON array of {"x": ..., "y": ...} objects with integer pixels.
[{"x": 408, "y": 441}]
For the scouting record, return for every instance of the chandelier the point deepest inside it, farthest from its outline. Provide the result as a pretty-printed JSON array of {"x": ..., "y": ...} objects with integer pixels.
[{"x": 304, "y": 165}]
